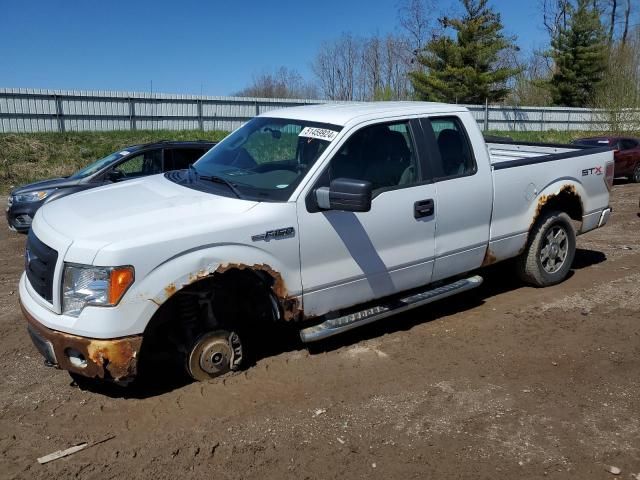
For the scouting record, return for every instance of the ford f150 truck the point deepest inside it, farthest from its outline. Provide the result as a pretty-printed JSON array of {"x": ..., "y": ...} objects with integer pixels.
[{"x": 323, "y": 217}]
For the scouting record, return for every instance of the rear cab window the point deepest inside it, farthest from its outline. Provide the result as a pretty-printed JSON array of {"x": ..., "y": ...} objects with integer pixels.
[{"x": 452, "y": 155}]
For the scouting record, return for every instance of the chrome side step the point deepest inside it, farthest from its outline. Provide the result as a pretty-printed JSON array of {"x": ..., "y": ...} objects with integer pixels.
[{"x": 338, "y": 325}]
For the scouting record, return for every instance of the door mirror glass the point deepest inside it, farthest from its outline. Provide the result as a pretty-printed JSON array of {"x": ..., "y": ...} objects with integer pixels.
[
  {"x": 114, "y": 175},
  {"x": 345, "y": 194}
]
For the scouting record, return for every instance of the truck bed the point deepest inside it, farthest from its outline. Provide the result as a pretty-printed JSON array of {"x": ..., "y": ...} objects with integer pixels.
[
  {"x": 500, "y": 152},
  {"x": 526, "y": 175}
]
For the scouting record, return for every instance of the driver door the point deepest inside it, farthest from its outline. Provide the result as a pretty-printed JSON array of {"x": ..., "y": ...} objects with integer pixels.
[{"x": 348, "y": 258}]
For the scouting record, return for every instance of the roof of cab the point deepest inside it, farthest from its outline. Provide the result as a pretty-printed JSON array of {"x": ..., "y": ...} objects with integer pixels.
[{"x": 357, "y": 112}]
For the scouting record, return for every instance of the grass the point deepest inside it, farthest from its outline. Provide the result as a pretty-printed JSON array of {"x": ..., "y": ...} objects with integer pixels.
[{"x": 26, "y": 157}]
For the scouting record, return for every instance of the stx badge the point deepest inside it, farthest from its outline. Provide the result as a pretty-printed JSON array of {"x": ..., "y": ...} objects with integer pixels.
[
  {"x": 275, "y": 234},
  {"x": 592, "y": 171}
]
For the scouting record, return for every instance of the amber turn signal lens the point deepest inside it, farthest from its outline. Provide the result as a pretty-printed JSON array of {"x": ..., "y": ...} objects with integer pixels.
[{"x": 121, "y": 279}]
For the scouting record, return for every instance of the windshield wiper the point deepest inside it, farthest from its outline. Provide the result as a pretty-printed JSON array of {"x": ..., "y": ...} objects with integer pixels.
[{"x": 216, "y": 179}]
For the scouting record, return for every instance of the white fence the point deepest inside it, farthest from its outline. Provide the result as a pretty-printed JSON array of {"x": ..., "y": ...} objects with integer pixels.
[{"x": 35, "y": 110}]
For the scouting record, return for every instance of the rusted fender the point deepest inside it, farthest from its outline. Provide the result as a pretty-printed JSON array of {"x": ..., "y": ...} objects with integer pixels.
[
  {"x": 291, "y": 307},
  {"x": 543, "y": 199}
]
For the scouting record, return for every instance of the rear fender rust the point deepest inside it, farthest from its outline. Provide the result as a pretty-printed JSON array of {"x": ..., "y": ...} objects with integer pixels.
[
  {"x": 543, "y": 200},
  {"x": 291, "y": 305},
  {"x": 113, "y": 359}
]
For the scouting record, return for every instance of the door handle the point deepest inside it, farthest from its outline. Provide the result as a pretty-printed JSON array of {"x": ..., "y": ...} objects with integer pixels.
[{"x": 423, "y": 208}]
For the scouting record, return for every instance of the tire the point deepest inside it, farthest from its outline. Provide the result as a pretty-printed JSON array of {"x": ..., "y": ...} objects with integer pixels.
[
  {"x": 635, "y": 176},
  {"x": 550, "y": 251}
]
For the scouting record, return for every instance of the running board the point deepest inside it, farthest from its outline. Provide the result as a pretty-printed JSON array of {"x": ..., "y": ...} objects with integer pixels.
[{"x": 338, "y": 325}]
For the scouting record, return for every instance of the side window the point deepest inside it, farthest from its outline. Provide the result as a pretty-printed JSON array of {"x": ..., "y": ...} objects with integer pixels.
[
  {"x": 381, "y": 154},
  {"x": 146, "y": 163},
  {"x": 181, "y": 158},
  {"x": 456, "y": 158},
  {"x": 628, "y": 144}
]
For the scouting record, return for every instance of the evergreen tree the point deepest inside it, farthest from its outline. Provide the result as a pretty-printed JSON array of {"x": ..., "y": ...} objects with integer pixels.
[
  {"x": 466, "y": 68},
  {"x": 579, "y": 54}
]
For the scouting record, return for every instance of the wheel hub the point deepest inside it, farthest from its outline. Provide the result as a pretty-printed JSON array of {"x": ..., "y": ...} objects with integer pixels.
[
  {"x": 554, "y": 249},
  {"x": 214, "y": 354}
]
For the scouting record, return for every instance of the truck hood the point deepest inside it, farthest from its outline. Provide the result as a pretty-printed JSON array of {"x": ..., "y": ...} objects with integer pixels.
[{"x": 136, "y": 209}]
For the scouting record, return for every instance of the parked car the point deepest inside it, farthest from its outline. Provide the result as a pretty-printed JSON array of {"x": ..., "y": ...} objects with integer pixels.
[
  {"x": 131, "y": 162},
  {"x": 324, "y": 217},
  {"x": 626, "y": 154}
]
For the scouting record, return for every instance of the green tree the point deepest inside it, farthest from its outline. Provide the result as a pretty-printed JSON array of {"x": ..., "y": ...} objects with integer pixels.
[
  {"x": 579, "y": 53},
  {"x": 468, "y": 67}
]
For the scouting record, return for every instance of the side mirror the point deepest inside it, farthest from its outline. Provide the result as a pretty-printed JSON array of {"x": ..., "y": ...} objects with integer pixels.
[
  {"x": 345, "y": 194},
  {"x": 114, "y": 175}
]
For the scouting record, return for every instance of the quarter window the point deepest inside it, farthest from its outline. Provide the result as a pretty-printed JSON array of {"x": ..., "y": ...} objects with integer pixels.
[{"x": 456, "y": 159}]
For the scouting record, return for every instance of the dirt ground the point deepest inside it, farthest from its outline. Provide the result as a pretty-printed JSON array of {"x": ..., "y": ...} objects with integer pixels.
[{"x": 505, "y": 381}]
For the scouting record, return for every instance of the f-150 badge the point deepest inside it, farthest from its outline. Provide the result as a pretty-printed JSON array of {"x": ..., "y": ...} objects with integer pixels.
[{"x": 278, "y": 234}]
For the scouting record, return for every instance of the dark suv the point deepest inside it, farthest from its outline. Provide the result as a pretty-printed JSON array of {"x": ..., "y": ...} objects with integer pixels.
[{"x": 130, "y": 162}]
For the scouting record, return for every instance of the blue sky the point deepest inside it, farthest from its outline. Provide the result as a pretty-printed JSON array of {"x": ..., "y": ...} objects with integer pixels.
[{"x": 191, "y": 45}]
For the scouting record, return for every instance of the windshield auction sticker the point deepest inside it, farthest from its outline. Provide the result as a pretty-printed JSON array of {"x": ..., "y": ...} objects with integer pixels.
[{"x": 319, "y": 133}]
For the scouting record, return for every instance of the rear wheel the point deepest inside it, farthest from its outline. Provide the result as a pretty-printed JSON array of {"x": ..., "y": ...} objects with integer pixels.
[
  {"x": 550, "y": 251},
  {"x": 635, "y": 176}
]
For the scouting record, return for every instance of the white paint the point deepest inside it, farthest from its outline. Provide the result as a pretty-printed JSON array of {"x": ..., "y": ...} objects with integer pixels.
[{"x": 335, "y": 259}]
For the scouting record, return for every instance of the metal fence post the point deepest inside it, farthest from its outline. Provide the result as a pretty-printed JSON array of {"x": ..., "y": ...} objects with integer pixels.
[
  {"x": 257, "y": 108},
  {"x": 132, "y": 114},
  {"x": 542, "y": 119},
  {"x": 59, "y": 113},
  {"x": 568, "y": 120},
  {"x": 486, "y": 114},
  {"x": 200, "y": 119}
]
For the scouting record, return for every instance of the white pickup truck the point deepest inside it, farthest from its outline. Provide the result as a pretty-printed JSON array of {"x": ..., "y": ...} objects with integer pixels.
[{"x": 323, "y": 217}]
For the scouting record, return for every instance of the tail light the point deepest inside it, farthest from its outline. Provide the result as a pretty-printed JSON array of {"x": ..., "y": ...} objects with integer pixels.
[{"x": 608, "y": 175}]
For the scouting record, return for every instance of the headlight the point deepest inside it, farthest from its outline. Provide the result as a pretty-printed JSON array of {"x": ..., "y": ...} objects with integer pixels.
[
  {"x": 32, "y": 196},
  {"x": 85, "y": 285},
  {"x": 9, "y": 201}
]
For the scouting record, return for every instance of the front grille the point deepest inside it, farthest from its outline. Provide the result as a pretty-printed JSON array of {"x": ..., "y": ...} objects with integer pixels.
[{"x": 40, "y": 263}]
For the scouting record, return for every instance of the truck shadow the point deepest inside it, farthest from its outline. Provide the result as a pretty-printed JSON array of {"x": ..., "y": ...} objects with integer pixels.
[{"x": 498, "y": 279}]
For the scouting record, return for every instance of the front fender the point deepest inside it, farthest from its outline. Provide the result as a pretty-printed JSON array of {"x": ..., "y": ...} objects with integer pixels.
[{"x": 187, "y": 268}]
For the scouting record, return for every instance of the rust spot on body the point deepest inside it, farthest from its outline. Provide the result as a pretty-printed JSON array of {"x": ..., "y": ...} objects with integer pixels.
[
  {"x": 543, "y": 200},
  {"x": 291, "y": 308},
  {"x": 114, "y": 359},
  {"x": 170, "y": 289},
  {"x": 489, "y": 258}
]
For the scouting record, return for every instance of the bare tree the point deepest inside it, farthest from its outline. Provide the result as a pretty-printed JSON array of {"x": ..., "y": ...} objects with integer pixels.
[
  {"x": 418, "y": 20},
  {"x": 281, "y": 83},
  {"x": 555, "y": 15},
  {"x": 619, "y": 94},
  {"x": 529, "y": 87},
  {"x": 612, "y": 19},
  {"x": 627, "y": 15}
]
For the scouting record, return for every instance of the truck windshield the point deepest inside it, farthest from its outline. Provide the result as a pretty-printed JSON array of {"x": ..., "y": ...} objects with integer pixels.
[{"x": 267, "y": 157}]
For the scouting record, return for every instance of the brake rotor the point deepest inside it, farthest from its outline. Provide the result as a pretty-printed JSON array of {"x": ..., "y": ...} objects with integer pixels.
[{"x": 214, "y": 354}]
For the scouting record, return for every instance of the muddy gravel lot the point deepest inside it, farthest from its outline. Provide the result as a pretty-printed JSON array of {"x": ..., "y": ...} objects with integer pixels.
[{"x": 506, "y": 381}]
